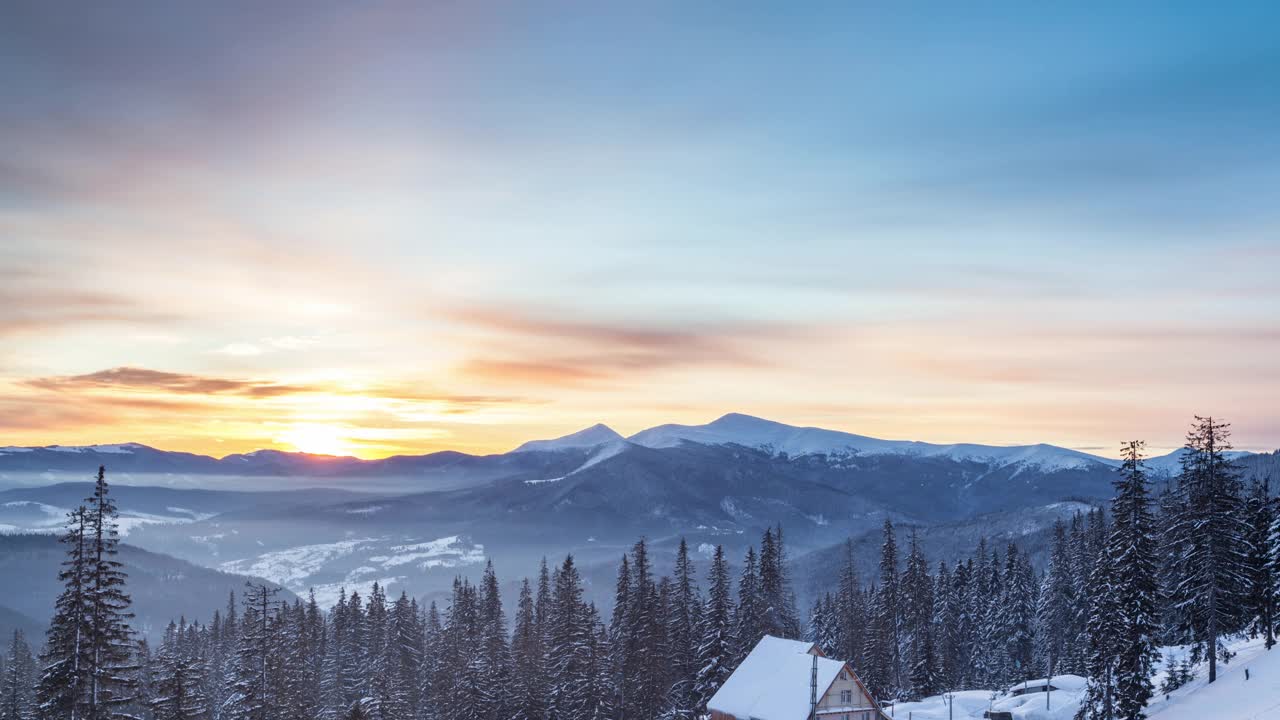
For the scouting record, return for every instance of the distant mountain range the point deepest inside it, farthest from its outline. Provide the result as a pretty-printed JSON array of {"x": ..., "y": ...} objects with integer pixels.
[
  {"x": 440, "y": 469},
  {"x": 417, "y": 521}
]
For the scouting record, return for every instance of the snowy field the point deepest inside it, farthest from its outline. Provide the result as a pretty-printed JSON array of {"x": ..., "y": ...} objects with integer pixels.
[{"x": 1230, "y": 698}]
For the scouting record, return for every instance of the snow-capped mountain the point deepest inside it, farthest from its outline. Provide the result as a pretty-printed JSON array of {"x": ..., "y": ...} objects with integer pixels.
[
  {"x": 597, "y": 434},
  {"x": 748, "y": 431}
]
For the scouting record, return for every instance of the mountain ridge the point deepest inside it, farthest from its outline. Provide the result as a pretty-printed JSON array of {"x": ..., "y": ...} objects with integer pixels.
[{"x": 729, "y": 429}]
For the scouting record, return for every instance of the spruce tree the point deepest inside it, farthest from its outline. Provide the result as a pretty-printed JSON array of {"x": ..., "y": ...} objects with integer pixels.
[
  {"x": 529, "y": 682},
  {"x": 1131, "y": 553},
  {"x": 717, "y": 647},
  {"x": 748, "y": 615},
  {"x": 1260, "y": 511},
  {"x": 918, "y": 610},
  {"x": 1211, "y": 535},
  {"x": 109, "y": 637},
  {"x": 60, "y": 693},
  {"x": 17, "y": 696},
  {"x": 682, "y": 637}
]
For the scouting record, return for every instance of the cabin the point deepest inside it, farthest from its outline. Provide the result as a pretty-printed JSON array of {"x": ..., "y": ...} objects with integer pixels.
[
  {"x": 1031, "y": 686},
  {"x": 776, "y": 681}
]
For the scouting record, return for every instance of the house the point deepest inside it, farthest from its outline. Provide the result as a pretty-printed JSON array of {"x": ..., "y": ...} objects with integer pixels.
[
  {"x": 1031, "y": 686},
  {"x": 775, "y": 682}
]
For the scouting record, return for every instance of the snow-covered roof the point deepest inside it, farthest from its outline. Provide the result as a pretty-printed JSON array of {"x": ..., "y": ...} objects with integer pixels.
[{"x": 772, "y": 683}]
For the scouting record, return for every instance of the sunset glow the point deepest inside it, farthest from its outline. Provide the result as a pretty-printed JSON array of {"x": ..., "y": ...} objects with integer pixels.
[{"x": 379, "y": 233}]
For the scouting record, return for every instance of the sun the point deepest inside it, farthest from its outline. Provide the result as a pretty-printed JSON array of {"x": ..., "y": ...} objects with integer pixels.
[{"x": 316, "y": 439}]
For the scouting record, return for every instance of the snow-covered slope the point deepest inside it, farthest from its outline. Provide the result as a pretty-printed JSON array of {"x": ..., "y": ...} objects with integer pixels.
[
  {"x": 749, "y": 431},
  {"x": 1231, "y": 697},
  {"x": 597, "y": 434}
]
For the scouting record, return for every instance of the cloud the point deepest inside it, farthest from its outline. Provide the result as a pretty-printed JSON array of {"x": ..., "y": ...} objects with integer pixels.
[
  {"x": 130, "y": 378},
  {"x": 567, "y": 352},
  {"x": 239, "y": 349}
]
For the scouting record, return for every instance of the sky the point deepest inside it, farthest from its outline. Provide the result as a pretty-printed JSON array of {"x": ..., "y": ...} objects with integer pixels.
[{"x": 380, "y": 227}]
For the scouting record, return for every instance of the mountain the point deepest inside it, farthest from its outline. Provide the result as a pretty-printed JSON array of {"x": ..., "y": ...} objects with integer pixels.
[
  {"x": 162, "y": 587},
  {"x": 597, "y": 434},
  {"x": 132, "y": 463},
  {"x": 749, "y": 431}
]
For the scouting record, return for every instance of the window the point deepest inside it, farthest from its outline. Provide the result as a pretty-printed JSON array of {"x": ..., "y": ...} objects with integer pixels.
[{"x": 846, "y": 697}]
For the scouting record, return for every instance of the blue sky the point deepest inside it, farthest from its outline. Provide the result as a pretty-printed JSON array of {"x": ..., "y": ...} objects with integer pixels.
[{"x": 461, "y": 225}]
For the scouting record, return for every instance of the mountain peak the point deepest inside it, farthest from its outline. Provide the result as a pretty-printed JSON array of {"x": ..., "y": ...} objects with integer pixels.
[{"x": 597, "y": 434}]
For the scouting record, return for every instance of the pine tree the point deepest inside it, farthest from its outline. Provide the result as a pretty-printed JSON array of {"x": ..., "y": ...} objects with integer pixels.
[
  {"x": 917, "y": 617},
  {"x": 1056, "y": 607},
  {"x": 571, "y": 640},
  {"x": 682, "y": 622},
  {"x": 255, "y": 685},
  {"x": 1211, "y": 536},
  {"x": 1260, "y": 511},
  {"x": 1016, "y": 618},
  {"x": 494, "y": 659},
  {"x": 1131, "y": 554},
  {"x": 179, "y": 687},
  {"x": 109, "y": 637},
  {"x": 529, "y": 683},
  {"x": 748, "y": 616},
  {"x": 643, "y": 667},
  {"x": 717, "y": 647},
  {"x": 850, "y": 612},
  {"x": 60, "y": 693},
  {"x": 17, "y": 697},
  {"x": 886, "y": 628},
  {"x": 1103, "y": 628}
]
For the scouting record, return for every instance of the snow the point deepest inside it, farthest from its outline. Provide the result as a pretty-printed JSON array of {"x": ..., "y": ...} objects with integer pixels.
[
  {"x": 121, "y": 449},
  {"x": 772, "y": 683},
  {"x": 449, "y": 551},
  {"x": 367, "y": 510},
  {"x": 605, "y": 452},
  {"x": 1231, "y": 697},
  {"x": 294, "y": 564},
  {"x": 598, "y": 434},
  {"x": 1063, "y": 703},
  {"x": 754, "y": 432}
]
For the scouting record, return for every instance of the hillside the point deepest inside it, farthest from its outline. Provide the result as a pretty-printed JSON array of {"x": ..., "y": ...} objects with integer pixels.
[{"x": 162, "y": 587}]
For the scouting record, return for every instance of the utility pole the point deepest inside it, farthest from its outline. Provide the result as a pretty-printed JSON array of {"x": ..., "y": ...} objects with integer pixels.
[{"x": 813, "y": 690}]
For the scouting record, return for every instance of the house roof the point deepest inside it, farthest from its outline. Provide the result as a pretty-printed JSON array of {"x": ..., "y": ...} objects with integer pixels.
[{"x": 772, "y": 683}]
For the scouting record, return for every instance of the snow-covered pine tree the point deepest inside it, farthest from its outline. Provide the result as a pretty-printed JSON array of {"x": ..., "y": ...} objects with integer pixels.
[
  {"x": 850, "y": 612},
  {"x": 529, "y": 682},
  {"x": 178, "y": 679},
  {"x": 887, "y": 618},
  {"x": 1100, "y": 701},
  {"x": 618, "y": 628},
  {"x": 255, "y": 686},
  {"x": 717, "y": 647},
  {"x": 747, "y": 619},
  {"x": 917, "y": 621},
  {"x": 1131, "y": 553},
  {"x": 1212, "y": 532},
  {"x": 682, "y": 623},
  {"x": 333, "y": 678},
  {"x": 432, "y": 642},
  {"x": 1260, "y": 510},
  {"x": 1054, "y": 609},
  {"x": 404, "y": 660},
  {"x": 17, "y": 687},
  {"x": 644, "y": 675},
  {"x": 1016, "y": 618},
  {"x": 945, "y": 625},
  {"x": 109, "y": 637},
  {"x": 493, "y": 653},
  {"x": 570, "y": 638},
  {"x": 60, "y": 692}
]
